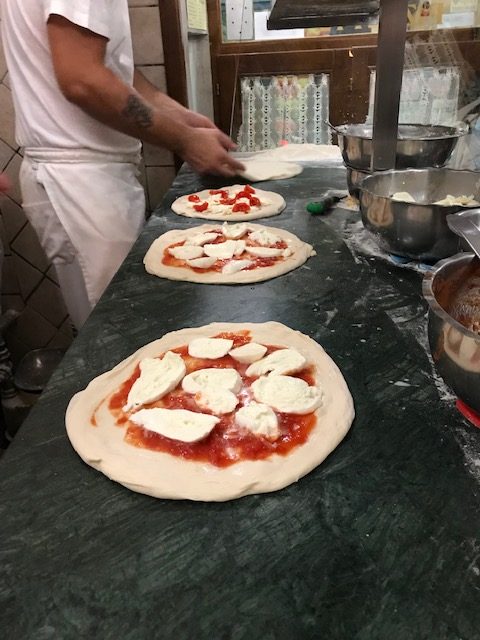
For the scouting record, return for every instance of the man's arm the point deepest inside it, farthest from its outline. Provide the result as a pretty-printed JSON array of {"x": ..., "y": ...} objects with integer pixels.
[{"x": 78, "y": 58}]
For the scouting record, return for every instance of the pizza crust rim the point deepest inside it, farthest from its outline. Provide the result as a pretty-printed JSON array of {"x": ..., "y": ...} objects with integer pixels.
[
  {"x": 277, "y": 205},
  {"x": 162, "y": 475},
  {"x": 301, "y": 251}
]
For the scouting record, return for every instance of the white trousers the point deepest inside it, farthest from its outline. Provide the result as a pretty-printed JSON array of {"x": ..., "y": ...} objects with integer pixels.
[{"x": 87, "y": 214}]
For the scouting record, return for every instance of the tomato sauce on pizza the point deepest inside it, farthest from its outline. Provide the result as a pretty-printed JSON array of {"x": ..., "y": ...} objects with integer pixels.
[{"x": 226, "y": 444}]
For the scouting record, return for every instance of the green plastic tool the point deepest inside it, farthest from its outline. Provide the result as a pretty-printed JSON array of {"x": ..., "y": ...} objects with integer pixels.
[{"x": 329, "y": 198}]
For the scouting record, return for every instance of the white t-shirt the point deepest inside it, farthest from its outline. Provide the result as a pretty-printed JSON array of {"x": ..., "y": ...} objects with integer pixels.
[{"x": 44, "y": 117}]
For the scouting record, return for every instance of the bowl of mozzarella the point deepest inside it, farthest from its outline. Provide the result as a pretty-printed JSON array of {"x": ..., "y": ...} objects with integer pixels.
[{"x": 407, "y": 210}]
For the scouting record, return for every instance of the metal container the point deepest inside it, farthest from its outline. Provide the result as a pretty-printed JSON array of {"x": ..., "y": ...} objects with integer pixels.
[
  {"x": 419, "y": 146},
  {"x": 354, "y": 178},
  {"x": 455, "y": 349},
  {"x": 416, "y": 230},
  {"x": 466, "y": 224}
]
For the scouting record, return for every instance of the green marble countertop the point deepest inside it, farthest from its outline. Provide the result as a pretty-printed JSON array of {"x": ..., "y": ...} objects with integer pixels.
[{"x": 379, "y": 542}]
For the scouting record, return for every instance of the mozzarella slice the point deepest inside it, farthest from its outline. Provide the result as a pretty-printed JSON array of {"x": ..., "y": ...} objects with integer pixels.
[
  {"x": 287, "y": 395},
  {"x": 234, "y": 231},
  {"x": 260, "y": 419},
  {"x": 210, "y": 348},
  {"x": 228, "y": 379},
  {"x": 222, "y": 250},
  {"x": 201, "y": 263},
  {"x": 186, "y": 252},
  {"x": 264, "y": 252},
  {"x": 157, "y": 378},
  {"x": 200, "y": 239},
  {"x": 177, "y": 424},
  {"x": 234, "y": 266},
  {"x": 248, "y": 353},
  {"x": 240, "y": 248},
  {"x": 264, "y": 237},
  {"x": 218, "y": 401},
  {"x": 280, "y": 362}
]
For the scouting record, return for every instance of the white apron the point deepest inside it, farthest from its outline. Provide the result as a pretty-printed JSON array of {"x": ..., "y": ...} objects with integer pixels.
[{"x": 98, "y": 201}]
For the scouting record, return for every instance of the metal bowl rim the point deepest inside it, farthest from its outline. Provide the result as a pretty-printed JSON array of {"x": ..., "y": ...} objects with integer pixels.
[
  {"x": 411, "y": 171},
  {"x": 429, "y": 295},
  {"x": 456, "y": 132}
]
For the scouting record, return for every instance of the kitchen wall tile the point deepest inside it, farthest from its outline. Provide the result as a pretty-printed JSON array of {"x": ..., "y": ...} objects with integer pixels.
[
  {"x": 9, "y": 283},
  {"x": 12, "y": 170},
  {"x": 60, "y": 341},
  {"x": 159, "y": 180},
  {"x": 157, "y": 156},
  {"x": 7, "y": 117},
  {"x": 26, "y": 244},
  {"x": 13, "y": 217},
  {"x": 6, "y": 154},
  {"x": 5, "y": 248},
  {"x": 155, "y": 73},
  {"x": 67, "y": 328},
  {"x": 47, "y": 300},
  {"x": 28, "y": 277},
  {"x": 52, "y": 274},
  {"x": 32, "y": 329},
  {"x": 146, "y": 33},
  {"x": 12, "y": 302},
  {"x": 3, "y": 64},
  {"x": 17, "y": 348}
]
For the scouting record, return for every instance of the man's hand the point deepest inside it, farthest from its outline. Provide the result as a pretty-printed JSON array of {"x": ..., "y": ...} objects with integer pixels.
[
  {"x": 206, "y": 151},
  {"x": 215, "y": 159},
  {"x": 193, "y": 119}
]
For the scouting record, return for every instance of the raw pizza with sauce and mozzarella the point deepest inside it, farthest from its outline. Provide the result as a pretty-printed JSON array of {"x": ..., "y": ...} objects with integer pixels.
[
  {"x": 226, "y": 254},
  {"x": 213, "y": 413},
  {"x": 236, "y": 203}
]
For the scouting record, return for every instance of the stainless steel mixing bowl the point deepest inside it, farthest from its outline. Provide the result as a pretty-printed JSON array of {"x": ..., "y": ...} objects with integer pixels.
[
  {"x": 455, "y": 349},
  {"x": 418, "y": 145},
  {"x": 416, "y": 230},
  {"x": 354, "y": 178}
]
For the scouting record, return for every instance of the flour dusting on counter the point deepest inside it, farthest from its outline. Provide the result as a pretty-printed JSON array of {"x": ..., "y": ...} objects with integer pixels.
[{"x": 362, "y": 245}]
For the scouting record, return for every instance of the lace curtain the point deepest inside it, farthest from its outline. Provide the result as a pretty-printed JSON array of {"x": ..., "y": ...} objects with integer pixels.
[{"x": 283, "y": 108}]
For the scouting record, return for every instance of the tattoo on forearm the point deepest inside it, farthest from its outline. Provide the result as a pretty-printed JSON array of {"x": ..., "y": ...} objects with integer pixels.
[{"x": 138, "y": 112}]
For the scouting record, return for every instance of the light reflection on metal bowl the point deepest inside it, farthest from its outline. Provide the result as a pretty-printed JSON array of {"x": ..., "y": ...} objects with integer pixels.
[
  {"x": 416, "y": 230},
  {"x": 455, "y": 349},
  {"x": 354, "y": 178}
]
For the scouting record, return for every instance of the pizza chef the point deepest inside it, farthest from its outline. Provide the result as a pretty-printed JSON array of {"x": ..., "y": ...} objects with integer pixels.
[{"x": 81, "y": 111}]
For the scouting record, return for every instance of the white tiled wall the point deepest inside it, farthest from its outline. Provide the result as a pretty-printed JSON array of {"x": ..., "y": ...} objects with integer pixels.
[{"x": 28, "y": 282}]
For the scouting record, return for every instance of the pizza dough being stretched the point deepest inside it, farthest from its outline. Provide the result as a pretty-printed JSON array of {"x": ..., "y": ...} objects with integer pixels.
[
  {"x": 258, "y": 170},
  {"x": 218, "y": 434},
  {"x": 226, "y": 254},
  {"x": 234, "y": 204}
]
